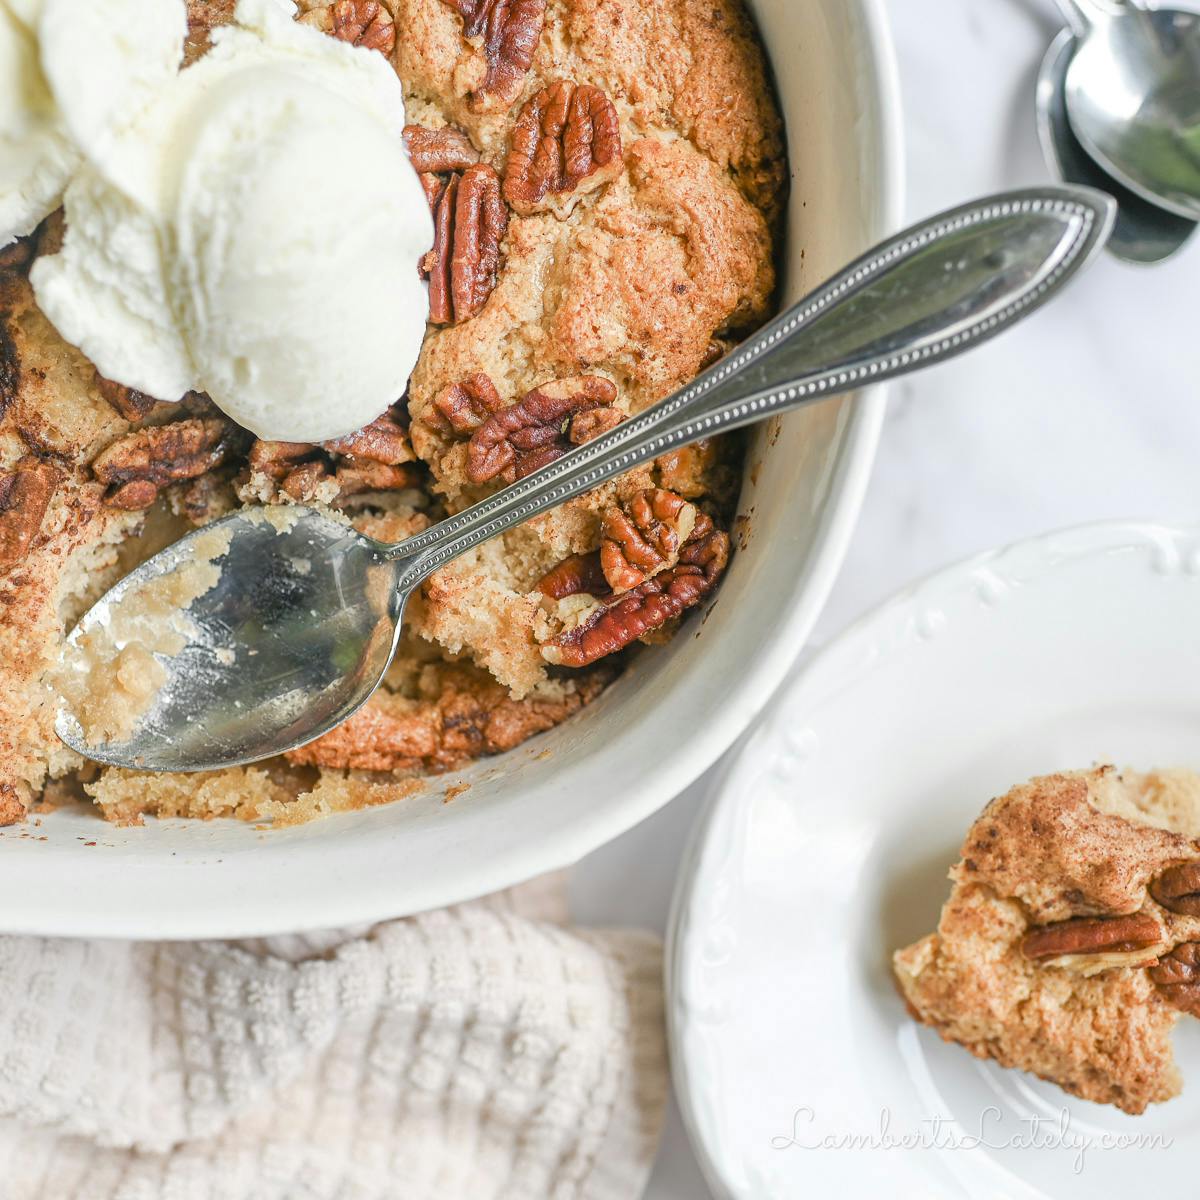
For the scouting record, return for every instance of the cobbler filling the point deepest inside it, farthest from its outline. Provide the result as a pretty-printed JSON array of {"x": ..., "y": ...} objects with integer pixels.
[{"x": 604, "y": 178}]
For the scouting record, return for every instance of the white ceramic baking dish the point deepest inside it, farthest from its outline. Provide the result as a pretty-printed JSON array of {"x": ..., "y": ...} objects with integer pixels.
[{"x": 561, "y": 795}]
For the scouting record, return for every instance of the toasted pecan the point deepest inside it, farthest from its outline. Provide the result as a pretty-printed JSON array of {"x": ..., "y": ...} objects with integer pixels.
[
  {"x": 520, "y": 439},
  {"x": 138, "y": 466},
  {"x": 364, "y": 23},
  {"x": 469, "y": 223},
  {"x": 1178, "y": 889},
  {"x": 1093, "y": 935},
  {"x": 565, "y": 143},
  {"x": 612, "y": 626},
  {"x": 25, "y": 495},
  {"x": 1178, "y": 977},
  {"x": 435, "y": 151},
  {"x": 510, "y": 30},
  {"x": 644, "y": 537}
]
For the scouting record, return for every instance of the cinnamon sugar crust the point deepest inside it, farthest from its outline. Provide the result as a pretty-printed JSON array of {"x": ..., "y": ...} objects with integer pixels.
[
  {"x": 1079, "y": 856},
  {"x": 637, "y": 283}
]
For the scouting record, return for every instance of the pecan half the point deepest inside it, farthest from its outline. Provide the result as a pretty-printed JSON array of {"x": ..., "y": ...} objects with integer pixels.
[
  {"x": 510, "y": 30},
  {"x": 368, "y": 475},
  {"x": 644, "y": 538},
  {"x": 613, "y": 626},
  {"x": 385, "y": 440},
  {"x": 206, "y": 498},
  {"x": 303, "y": 482},
  {"x": 469, "y": 222},
  {"x": 687, "y": 470},
  {"x": 1178, "y": 889},
  {"x": 25, "y": 495},
  {"x": 586, "y": 426},
  {"x": 526, "y": 436},
  {"x": 566, "y": 143},
  {"x": 138, "y": 466},
  {"x": 579, "y": 575},
  {"x": 1093, "y": 935},
  {"x": 1178, "y": 977},
  {"x": 462, "y": 407},
  {"x": 128, "y": 402},
  {"x": 359, "y": 22},
  {"x": 439, "y": 150}
]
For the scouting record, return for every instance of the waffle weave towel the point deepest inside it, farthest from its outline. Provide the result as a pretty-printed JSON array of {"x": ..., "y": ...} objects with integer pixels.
[{"x": 483, "y": 1052}]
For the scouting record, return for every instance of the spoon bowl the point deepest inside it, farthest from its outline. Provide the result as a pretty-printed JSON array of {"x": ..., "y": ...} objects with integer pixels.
[
  {"x": 296, "y": 633},
  {"x": 302, "y": 622},
  {"x": 1144, "y": 234},
  {"x": 1133, "y": 96}
]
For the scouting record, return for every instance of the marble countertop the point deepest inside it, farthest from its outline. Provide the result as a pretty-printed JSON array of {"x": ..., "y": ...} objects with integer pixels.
[{"x": 1086, "y": 413}]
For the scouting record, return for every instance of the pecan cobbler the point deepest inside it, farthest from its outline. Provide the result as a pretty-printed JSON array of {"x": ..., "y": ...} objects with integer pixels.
[
  {"x": 605, "y": 177},
  {"x": 1070, "y": 944}
]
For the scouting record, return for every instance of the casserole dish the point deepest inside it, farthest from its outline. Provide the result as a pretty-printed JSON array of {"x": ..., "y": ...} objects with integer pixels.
[{"x": 553, "y": 799}]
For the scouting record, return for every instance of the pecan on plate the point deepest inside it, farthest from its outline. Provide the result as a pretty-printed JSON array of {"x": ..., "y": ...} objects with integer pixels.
[
  {"x": 527, "y": 435},
  {"x": 128, "y": 402},
  {"x": 138, "y": 466},
  {"x": 566, "y": 143},
  {"x": 462, "y": 407},
  {"x": 436, "y": 151},
  {"x": 1178, "y": 977},
  {"x": 645, "y": 537},
  {"x": 1178, "y": 889},
  {"x": 1093, "y": 935},
  {"x": 359, "y": 22},
  {"x": 25, "y": 495},
  {"x": 469, "y": 222},
  {"x": 510, "y": 30},
  {"x": 579, "y": 575},
  {"x": 612, "y": 626}
]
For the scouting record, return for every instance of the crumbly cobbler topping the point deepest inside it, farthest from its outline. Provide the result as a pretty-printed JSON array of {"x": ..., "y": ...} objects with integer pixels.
[
  {"x": 1070, "y": 944},
  {"x": 605, "y": 177}
]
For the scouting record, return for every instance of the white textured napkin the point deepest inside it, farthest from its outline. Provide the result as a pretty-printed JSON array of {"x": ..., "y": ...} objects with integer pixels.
[{"x": 482, "y": 1052}]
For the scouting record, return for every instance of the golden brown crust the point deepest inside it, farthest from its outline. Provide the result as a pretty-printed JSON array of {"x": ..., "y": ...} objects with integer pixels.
[
  {"x": 1047, "y": 845},
  {"x": 462, "y": 716},
  {"x": 1046, "y": 957}
]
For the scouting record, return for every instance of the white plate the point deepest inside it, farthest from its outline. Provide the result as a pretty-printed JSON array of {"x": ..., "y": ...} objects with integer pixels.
[
  {"x": 552, "y": 801},
  {"x": 826, "y": 847}
]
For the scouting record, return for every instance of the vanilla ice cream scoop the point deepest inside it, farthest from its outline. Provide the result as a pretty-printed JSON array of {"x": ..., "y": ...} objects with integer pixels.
[
  {"x": 36, "y": 155},
  {"x": 255, "y": 234},
  {"x": 71, "y": 75}
]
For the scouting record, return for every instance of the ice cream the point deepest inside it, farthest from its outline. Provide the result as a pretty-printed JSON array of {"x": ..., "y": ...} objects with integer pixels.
[
  {"x": 253, "y": 234},
  {"x": 72, "y": 74},
  {"x": 36, "y": 155}
]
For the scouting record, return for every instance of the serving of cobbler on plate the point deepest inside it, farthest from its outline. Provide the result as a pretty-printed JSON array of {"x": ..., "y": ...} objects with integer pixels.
[
  {"x": 1070, "y": 945},
  {"x": 605, "y": 179}
]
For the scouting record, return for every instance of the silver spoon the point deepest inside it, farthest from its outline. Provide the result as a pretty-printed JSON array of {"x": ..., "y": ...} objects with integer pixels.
[
  {"x": 302, "y": 623},
  {"x": 1133, "y": 96},
  {"x": 1144, "y": 234}
]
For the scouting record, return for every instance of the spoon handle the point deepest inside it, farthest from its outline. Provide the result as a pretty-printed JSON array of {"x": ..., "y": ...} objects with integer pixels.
[{"x": 922, "y": 298}]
